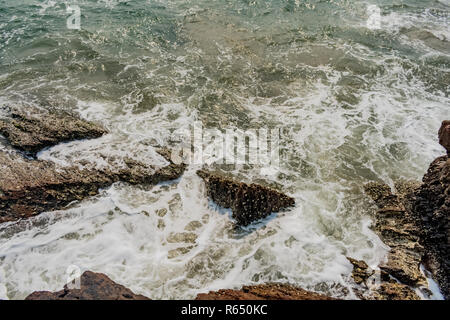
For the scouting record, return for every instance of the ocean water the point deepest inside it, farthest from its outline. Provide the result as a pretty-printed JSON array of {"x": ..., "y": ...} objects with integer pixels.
[{"x": 355, "y": 104}]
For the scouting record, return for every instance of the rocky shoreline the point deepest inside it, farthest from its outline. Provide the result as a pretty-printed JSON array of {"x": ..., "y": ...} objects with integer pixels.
[
  {"x": 98, "y": 286},
  {"x": 29, "y": 187},
  {"x": 412, "y": 219}
]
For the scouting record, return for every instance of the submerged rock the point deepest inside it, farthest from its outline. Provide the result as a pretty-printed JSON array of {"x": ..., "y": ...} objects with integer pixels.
[
  {"x": 432, "y": 210},
  {"x": 29, "y": 187},
  {"x": 272, "y": 291},
  {"x": 93, "y": 286},
  {"x": 31, "y": 129},
  {"x": 249, "y": 202}
]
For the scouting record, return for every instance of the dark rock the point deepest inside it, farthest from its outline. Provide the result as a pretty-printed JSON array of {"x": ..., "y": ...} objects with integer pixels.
[
  {"x": 432, "y": 210},
  {"x": 264, "y": 292},
  {"x": 32, "y": 129},
  {"x": 93, "y": 286},
  {"x": 249, "y": 202},
  {"x": 444, "y": 135},
  {"x": 361, "y": 271},
  {"x": 398, "y": 229},
  {"x": 30, "y": 187},
  {"x": 415, "y": 223}
]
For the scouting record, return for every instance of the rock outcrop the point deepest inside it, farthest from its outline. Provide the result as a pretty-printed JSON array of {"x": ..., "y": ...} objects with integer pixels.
[
  {"x": 361, "y": 271},
  {"x": 31, "y": 129},
  {"x": 383, "y": 287},
  {"x": 432, "y": 209},
  {"x": 395, "y": 291},
  {"x": 414, "y": 222},
  {"x": 397, "y": 228},
  {"x": 248, "y": 202},
  {"x": 93, "y": 286},
  {"x": 272, "y": 291},
  {"x": 29, "y": 187},
  {"x": 444, "y": 135}
]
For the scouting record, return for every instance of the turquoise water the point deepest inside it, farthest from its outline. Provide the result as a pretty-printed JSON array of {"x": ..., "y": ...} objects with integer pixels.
[{"x": 354, "y": 105}]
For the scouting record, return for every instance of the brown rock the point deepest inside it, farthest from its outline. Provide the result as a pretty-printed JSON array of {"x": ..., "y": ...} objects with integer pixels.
[
  {"x": 444, "y": 135},
  {"x": 30, "y": 187},
  {"x": 93, "y": 286},
  {"x": 249, "y": 202},
  {"x": 395, "y": 291},
  {"x": 264, "y": 292},
  {"x": 432, "y": 210},
  {"x": 361, "y": 271},
  {"x": 32, "y": 129},
  {"x": 403, "y": 264},
  {"x": 398, "y": 229}
]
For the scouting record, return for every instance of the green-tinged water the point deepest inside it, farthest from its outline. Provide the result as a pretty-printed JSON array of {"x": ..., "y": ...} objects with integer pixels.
[{"x": 354, "y": 105}]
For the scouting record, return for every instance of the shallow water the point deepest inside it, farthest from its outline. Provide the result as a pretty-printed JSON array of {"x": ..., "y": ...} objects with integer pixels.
[{"x": 353, "y": 104}]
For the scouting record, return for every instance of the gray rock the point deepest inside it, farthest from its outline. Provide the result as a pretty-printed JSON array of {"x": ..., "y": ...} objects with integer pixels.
[{"x": 31, "y": 129}]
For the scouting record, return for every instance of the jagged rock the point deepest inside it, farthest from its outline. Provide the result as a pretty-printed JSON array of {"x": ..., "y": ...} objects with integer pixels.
[
  {"x": 444, "y": 135},
  {"x": 398, "y": 229},
  {"x": 403, "y": 264},
  {"x": 382, "y": 195},
  {"x": 93, "y": 286},
  {"x": 31, "y": 129},
  {"x": 432, "y": 210},
  {"x": 361, "y": 271},
  {"x": 387, "y": 289},
  {"x": 30, "y": 187},
  {"x": 415, "y": 223},
  {"x": 395, "y": 291},
  {"x": 249, "y": 202},
  {"x": 263, "y": 292}
]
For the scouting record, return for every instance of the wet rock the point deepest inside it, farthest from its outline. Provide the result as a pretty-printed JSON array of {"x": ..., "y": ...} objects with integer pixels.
[
  {"x": 403, "y": 264},
  {"x": 93, "y": 286},
  {"x": 432, "y": 210},
  {"x": 444, "y": 135},
  {"x": 31, "y": 129},
  {"x": 361, "y": 271},
  {"x": 415, "y": 223},
  {"x": 398, "y": 229},
  {"x": 29, "y": 187},
  {"x": 248, "y": 202},
  {"x": 264, "y": 292},
  {"x": 395, "y": 291}
]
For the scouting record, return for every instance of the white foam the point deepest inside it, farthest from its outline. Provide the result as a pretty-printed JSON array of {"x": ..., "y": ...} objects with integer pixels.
[{"x": 333, "y": 148}]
